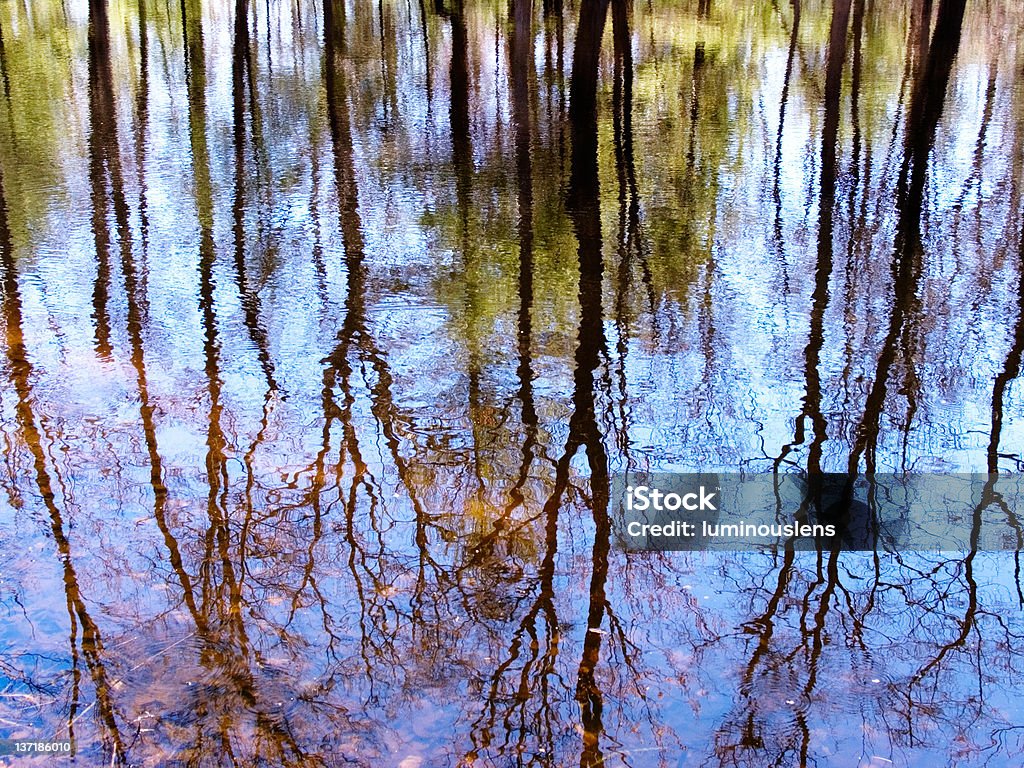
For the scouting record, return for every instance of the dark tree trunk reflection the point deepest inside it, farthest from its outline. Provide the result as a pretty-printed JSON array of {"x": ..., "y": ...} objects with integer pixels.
[
  {"x": 242, "y": 75},
  {"x": 104, "y": 168},
  {"x": 780, "y": 132},
  {"x": 520, "y": 51},
  {"x": 584, "y": 205},
  {"x": 142, "y": 125},
  {"x": 585, "y": 60},
  {"x": 4, "y": 77},
  {"x": 1011, "y": 367},
  {"x": 630, "y": 239},
  {"x": 462, "y": 147},
  {"x": 812, "y": 405},
  {"x": 926, "y": 107}
]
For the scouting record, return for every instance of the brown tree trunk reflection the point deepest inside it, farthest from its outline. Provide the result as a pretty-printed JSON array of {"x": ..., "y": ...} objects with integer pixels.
[
  {"x": 20, "y": 373},
  {"x": 103, "y": 153},
  {"x": 216, "y": 442},
  {"x": 221, "y": 596},
  {"x": 135, "y": 291},
  {"x": 104, "y": 165},
  {"x": 355, "y": 337},
  {"x": 104, "y": 156},
  {"x": 750, "y": 735},
  {"x": 533, "y": 648},
  {"x": 920, "y": 34}
]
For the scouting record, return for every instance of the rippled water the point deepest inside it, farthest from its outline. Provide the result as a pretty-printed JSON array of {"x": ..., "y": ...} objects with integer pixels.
[{"x": 327, "y": 325}]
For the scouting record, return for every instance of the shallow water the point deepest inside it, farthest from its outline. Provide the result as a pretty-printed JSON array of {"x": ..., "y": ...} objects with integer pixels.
[{"x": 326, "y": 327}]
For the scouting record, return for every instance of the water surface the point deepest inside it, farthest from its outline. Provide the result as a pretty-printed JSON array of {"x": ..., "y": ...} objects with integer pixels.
[{"x": 327, "y": 323}]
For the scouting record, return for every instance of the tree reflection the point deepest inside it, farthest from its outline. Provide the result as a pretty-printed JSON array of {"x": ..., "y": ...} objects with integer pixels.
[
  {"x": 242, "y": 76},
  {"x": 351, "y": 502},
  {"x": 812, "y": 408},
  {"x": 19, "y": 371},
  {"x": 104, "y": 166},
  {"x": 926, "y": 107}
]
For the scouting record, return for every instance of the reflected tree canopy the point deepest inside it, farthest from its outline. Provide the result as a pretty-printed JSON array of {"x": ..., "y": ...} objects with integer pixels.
[{"x": 327, "y": 324}]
